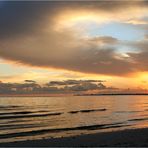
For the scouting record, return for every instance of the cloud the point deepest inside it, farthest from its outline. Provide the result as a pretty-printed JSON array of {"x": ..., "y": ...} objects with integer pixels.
[
  {"x": 138, "y": 22},
  {"x": 146, "y": 37},
  {"x": 72, "y": 82},
  {"x": 29, "y": 35},
  {"x": 105, "y": 40},
  {"x": 8, "y": 76},
  {"x": 141, "y": 59},
  {"x": 79, "y": 56},
  {"x": 52, "y": 83},
  {"x": 69, "y": 86},
  {"x": 83, "y": 87},
  {"x": 30, "y": 81}
]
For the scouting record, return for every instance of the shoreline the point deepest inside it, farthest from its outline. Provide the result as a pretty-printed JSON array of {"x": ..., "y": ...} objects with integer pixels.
[
  {"x": 128, "y": 137},
  {"x": 67, "y": 95}
]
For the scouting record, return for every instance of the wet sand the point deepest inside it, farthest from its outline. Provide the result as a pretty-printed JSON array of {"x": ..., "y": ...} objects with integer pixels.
[{"x": 132, "y": 137}]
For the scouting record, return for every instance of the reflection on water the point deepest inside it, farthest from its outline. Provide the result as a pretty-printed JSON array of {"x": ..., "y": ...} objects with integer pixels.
[{"x": 23, "y": 118}]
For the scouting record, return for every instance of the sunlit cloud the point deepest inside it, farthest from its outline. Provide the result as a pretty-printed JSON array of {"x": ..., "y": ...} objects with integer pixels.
[{"x": 78, "y": 40}]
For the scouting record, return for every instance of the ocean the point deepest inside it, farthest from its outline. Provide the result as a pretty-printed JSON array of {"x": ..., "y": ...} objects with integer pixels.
[{"x": 28, "y": 118}]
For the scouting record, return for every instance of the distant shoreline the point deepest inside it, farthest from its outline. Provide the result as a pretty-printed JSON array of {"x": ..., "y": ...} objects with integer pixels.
[
  {"x": 129, "y": 137},
  {"x": 122, "y": 94},
  {"x": 65, "y": 95}
]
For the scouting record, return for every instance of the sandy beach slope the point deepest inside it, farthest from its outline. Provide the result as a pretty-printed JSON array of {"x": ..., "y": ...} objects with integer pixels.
[{"x": 133, "y": 137}]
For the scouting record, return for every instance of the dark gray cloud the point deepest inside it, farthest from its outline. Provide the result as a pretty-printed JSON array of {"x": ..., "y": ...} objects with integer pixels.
[
  {"x": 84, "y": 58},
  {"x": 26, "y": 17},
  {"x": 83, "y": 87},
  {"x": 28, "y": 36},
  {"x": 72, "y": 82},
  {"x": 69, "y": 86},
  {"x": 140, "y": 56},
  {"x": 30, "y": 81},
  {"x": 141, "y": 60},
  {"x": 19, "y": 18}
]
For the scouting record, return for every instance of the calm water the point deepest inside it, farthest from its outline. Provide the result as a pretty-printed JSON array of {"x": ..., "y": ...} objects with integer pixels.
[{"x": 24, "y": 118}]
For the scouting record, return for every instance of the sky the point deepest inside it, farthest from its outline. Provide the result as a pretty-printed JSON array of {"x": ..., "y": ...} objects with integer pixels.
[{"x": 75, "y": 40}]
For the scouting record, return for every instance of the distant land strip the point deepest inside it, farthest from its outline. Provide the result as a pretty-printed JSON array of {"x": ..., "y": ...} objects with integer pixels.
[
  {"x": 64, "y": 95},
  {"x": 113, "y": 94}
]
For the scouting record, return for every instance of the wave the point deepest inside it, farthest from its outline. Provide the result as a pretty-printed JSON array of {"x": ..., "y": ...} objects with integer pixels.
[
  {"x": 73, "y": 112},
  {"x": 30, "y": 116},
  {"x": 128, "y": 111},
  {"x": 44, "y": 131},
  {"x": 87, "y": 111},
  {"x": 9, "y": 106},
  {"x": 19, "y": 126},
  {"x": 138, "y": 119},
  {"x": 11, "y": 113},
  {"x": 22, "y": 112}
]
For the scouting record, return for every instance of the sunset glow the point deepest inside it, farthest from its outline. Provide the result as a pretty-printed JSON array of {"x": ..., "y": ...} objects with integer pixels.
[
  {"x": 61, "y": 41},
  {"x": 74, "y": 73}
]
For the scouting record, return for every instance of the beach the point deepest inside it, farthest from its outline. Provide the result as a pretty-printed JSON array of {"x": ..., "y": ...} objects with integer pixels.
[
  {"x": 74, "y": 73},
  {"x": 130, "y": 137},
  {"x": 63, "y": 121}
]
